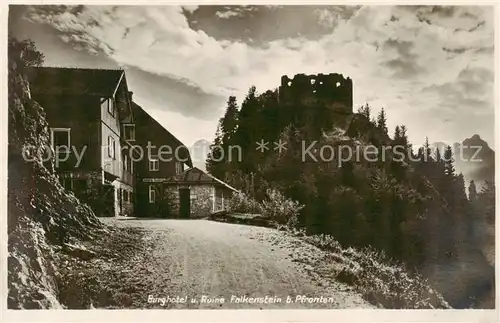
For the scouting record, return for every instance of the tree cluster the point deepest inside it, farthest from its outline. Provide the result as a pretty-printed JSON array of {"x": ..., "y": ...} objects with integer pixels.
[{"x": 413, "y": 207}]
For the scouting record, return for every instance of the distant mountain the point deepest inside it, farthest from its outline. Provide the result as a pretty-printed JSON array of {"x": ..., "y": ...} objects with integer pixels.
[
  {"x": 199, "y": 151},
  {"x": 473, "y": 158}
]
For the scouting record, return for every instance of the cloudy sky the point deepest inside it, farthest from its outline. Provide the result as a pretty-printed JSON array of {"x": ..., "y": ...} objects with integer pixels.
[{"x": 431, "y": 68}]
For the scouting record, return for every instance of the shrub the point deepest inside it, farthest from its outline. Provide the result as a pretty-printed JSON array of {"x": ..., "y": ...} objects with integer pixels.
[
  {"x": 382, "y": 281},
  {"x": 242, "y": 203},
  {"x": 24, "y": 53},
  {"x": 281, "y": 209}
]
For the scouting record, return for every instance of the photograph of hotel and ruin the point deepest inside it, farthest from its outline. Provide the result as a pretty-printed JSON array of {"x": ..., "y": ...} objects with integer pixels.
[{"x": 262, "y": 157}]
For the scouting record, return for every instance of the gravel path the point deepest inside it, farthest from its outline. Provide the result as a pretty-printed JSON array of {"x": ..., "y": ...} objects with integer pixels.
[{"x": 221, "y": 265}]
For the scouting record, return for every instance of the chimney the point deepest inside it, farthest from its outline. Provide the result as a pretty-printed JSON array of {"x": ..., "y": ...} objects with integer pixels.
[{"x": 130, "y": 94}]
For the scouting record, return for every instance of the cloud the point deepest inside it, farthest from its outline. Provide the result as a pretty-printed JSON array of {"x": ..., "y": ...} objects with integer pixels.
[
  {"x": 405, "y": 65},
  {"x": 263, "y": 24},
  {"x": 329, "y": 16},
  {"x": 470, "y": 92},
  {"x": 190, "y": 9},
  {"x": 187, "y": 129},
  {"x": 326, "y": 17},
  {"x": 57, "y": 50},
  {"x": 411, "y": 58},
  {"x": 173, "y": 94},
  {"x": 227, "y": 14}
]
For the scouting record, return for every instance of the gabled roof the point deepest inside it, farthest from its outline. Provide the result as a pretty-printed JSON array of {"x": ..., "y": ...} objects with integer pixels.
[
  {"x": 136, "y": 107},
  {"x": 75, "y": 81},
  {"x": 197, "y": 176}
]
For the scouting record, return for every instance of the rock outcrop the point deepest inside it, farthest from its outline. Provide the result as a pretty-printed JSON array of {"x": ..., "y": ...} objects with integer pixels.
[{"x": 42, "y": 215}]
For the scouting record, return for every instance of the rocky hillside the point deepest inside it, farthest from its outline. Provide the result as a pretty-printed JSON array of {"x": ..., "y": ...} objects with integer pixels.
[{"x": 43, "y": 218}]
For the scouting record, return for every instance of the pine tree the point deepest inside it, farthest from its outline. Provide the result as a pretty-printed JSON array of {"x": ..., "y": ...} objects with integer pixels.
[
  {"x": 486, "y": 200},
  {"x": 439, "y": 159},
  {"x": 424, "y": 152},
  {"x": 472, "y": 191},
  {"x": 214, "y": 162},
  {"x": 247, "y": 133},
  {"x": 397, "y": 168},
  {"x": 449, "y": 168},
  {"x": 460, "y": 187},
  {"x": 382, "y": 121},
  {"x": 404, "y": 141},
  {"x": 230, "y": 121},
  {"x": 365, "y": 110},
  {"x": 427, "y": 147},
  {"x": 404, "y": 137},
  {"x": 397, "y": 135},
  {"x": 439, "y": 163}
]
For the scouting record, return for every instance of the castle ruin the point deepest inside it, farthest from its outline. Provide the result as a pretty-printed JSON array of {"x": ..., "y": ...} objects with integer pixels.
[{"x": 331, "y": 90}]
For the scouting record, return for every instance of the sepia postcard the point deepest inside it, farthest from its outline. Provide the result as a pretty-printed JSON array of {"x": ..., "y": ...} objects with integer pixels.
[{"x": 232, "y": 158}]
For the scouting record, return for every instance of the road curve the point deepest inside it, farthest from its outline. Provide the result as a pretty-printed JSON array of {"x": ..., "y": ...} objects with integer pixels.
[{"x": 205, "y": 264}]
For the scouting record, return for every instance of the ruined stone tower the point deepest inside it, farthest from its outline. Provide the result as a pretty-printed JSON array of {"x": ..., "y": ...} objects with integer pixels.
[{"x": 331, "y": 90}]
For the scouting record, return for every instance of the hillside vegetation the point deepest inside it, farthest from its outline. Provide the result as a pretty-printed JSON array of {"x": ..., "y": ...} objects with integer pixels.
[{"x": 410, "y": 205}]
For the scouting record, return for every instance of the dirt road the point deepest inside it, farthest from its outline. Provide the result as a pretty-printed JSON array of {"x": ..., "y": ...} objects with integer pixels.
[{"x": 205, "y": 264}]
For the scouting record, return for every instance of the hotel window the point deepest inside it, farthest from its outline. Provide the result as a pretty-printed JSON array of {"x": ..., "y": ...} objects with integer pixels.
[
  {"x": 152, "y": 194},
  {"x": 125, "y": 162},
  {"x": 129, "y": 131},
  {"x": 111, "y": 147},
  {"x": 60, "y": 139},
  {"x": 154, "y": 164},
  {"x": 178, "y": 168},
  {"x": 111, "y": 107}
]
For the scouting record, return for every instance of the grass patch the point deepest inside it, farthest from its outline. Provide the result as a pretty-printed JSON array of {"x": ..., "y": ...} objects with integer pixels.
[{"x": 382, "y": 281}]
